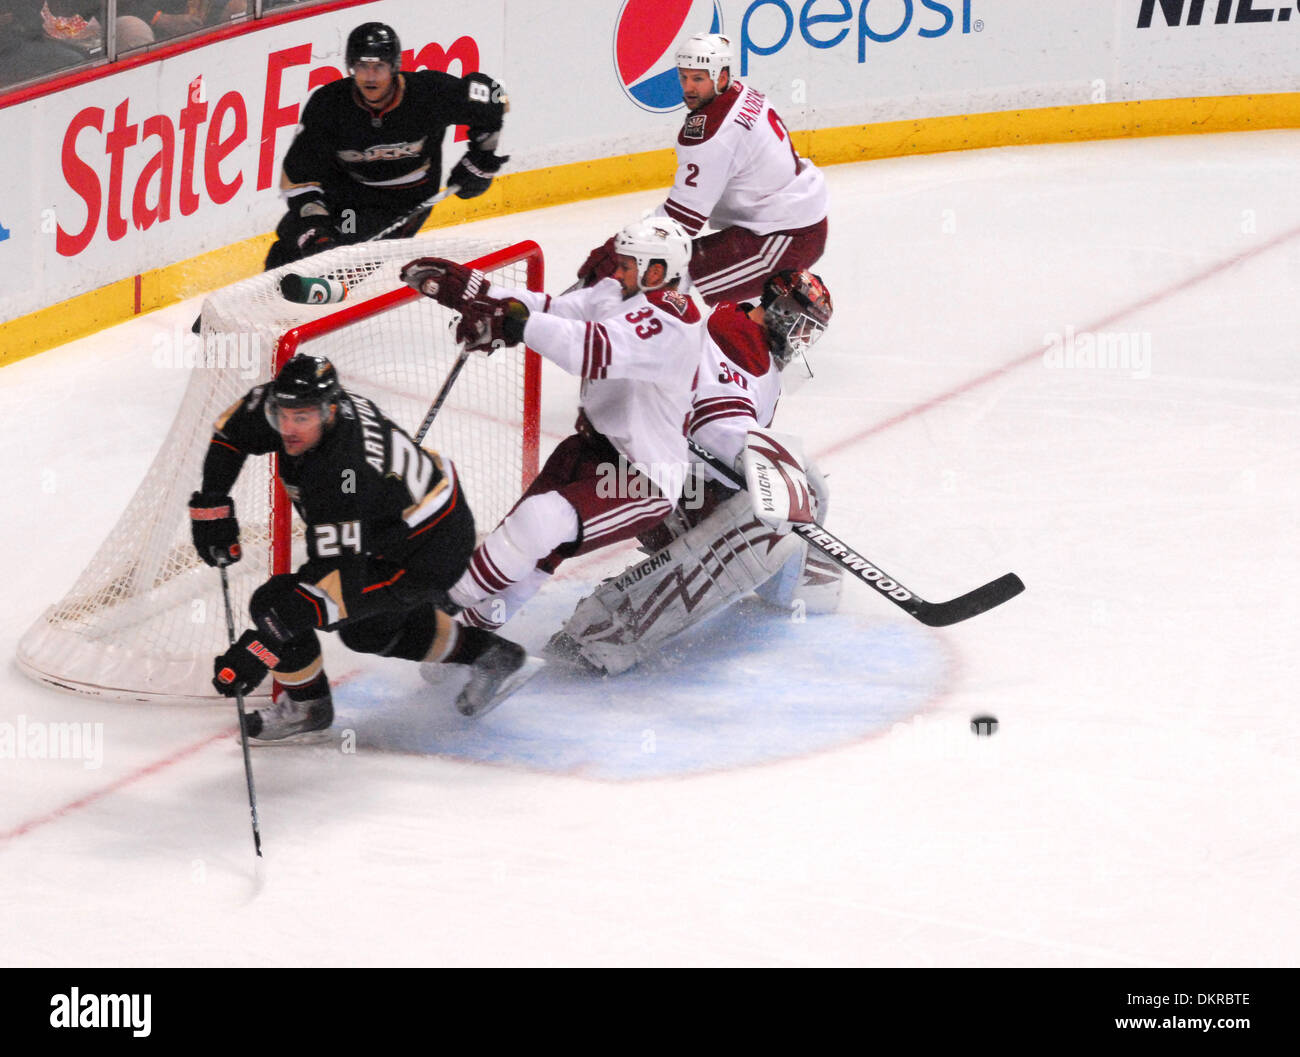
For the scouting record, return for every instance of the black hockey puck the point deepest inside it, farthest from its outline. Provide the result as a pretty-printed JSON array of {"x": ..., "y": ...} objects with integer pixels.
[{"x": 984, "y": 725}]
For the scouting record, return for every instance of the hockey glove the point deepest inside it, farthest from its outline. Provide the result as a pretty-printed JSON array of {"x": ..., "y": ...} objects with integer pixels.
[
  {"x": 241, "y": 669},
  {"x": 309, "y": 225},
  {"x": 215, "y": 529},
  {"x": 447, "y": 282},
  {"x": 600, "y": 263},
  {"x": 473, "y": 173},
  {"x": 490, "y": 323}
]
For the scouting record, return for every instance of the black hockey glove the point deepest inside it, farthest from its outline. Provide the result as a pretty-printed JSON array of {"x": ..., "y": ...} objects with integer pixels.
[
  {"x": 242, "y": 668},
  {"x": 600, "y": 263},
  {"x": 490, "y": 323},
  {"x": 473, "y": 173},
  {"x": 309, "y": 225},
  {"x": 215, "y": 529},
  {"x": 447, "y": 282}
]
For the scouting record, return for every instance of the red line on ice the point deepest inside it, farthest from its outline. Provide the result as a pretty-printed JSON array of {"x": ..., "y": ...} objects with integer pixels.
[
  {"x": 113, "y": 787},
  {"x": 1030, "y": 357}
]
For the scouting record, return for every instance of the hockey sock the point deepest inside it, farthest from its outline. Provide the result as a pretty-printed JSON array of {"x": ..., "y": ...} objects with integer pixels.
[
  {"x": 312, "y": 690},
  {"x": 529, "y": 533}
]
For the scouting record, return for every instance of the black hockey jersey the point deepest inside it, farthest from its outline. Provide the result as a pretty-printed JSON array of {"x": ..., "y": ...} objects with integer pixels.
[
  {"x": 357, "y": 155},
  {"x": 366, "y": 488}
]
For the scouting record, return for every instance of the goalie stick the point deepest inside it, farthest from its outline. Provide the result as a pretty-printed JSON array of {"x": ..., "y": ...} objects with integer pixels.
[{"x": 932, "y": 614}]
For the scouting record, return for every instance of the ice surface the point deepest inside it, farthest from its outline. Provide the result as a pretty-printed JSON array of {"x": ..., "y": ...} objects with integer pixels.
[{"x": 775, "y": 792}]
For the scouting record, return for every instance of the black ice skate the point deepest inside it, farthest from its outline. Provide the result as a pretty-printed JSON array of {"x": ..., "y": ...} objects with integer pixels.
[{"x": 497, "y": 673}]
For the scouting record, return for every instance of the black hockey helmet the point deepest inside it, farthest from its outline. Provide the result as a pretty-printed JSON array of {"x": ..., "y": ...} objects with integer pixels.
[
  {"x": 304, "y": 381},
  {"x": 374, "y": 42},
  {"x": 797, "y": 307}
]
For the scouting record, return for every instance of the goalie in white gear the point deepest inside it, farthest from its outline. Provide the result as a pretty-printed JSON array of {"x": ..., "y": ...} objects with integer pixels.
[{"x": 703, "y": 559}]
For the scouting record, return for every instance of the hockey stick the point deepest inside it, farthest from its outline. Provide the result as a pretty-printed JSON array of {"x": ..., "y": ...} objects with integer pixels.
[
  {"x": 441, "y": 398},
  {"x": 428, "y": 203},
  {"x": 933, "y": 614},
  {"x": 243, "y": 727}
]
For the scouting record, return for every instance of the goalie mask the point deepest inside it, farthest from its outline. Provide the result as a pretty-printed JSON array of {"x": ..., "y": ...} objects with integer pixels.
[
  {"x": 304, "y": 383},
  {"x": 655, "y": 239},
  {"x": 796, "y": 309}
]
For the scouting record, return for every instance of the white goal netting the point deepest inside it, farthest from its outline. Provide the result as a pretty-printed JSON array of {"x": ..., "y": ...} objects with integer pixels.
[{"x": 146, "y": 617}]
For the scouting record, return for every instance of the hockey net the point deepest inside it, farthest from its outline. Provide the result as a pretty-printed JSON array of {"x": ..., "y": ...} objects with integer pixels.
[{"x": 146, "y": 617}]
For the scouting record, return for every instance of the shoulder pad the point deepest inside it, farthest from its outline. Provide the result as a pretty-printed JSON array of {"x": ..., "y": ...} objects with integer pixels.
[
  {"x": 671, "y": 300},
  {"x": 701, "y": 124},
  {"x": 741, "y": 340}
]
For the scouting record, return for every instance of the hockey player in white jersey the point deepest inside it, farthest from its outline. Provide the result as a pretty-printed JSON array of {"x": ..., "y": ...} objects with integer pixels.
[
  {"x": 737, "y": 171},
  {"x": 637, "y": 344},
  {"x": 701, "y": 560}
]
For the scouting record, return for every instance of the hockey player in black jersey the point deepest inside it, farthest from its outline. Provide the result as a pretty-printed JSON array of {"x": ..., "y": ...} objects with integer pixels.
[
  {"x": 369, "y": 149},
  {"x": 388, "y": 532}
]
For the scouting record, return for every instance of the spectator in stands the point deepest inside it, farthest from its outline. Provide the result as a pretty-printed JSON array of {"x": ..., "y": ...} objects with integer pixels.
[{"x": 26, "y": 53}]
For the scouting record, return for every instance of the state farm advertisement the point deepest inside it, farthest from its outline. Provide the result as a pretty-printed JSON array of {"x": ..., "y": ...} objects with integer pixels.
[
  {"x": 170, "y": 160},
  {"x": 167, "y": 161}
]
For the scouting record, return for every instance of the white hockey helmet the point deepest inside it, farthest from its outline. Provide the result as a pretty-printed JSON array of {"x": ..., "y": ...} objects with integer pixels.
[
  {"x": 705, "y": 51},
  {"x": 655, "y": 239}
]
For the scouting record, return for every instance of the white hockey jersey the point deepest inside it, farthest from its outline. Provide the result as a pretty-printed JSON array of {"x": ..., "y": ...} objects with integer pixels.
[
  {"x": 736, "y": 167},
  {"x": 738, "y": 387},
  {"x": 638, "y": 360}
]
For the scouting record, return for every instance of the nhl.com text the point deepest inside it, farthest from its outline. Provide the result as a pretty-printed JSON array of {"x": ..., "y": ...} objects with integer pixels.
[{"x": 1179, "y": 1004}]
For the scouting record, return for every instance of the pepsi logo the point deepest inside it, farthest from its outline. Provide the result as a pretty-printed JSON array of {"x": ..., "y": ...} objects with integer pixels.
[{"x": 645, "y": 38}]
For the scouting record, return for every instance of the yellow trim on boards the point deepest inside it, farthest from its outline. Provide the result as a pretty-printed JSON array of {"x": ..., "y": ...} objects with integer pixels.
[{"x": 518, "y": 192}]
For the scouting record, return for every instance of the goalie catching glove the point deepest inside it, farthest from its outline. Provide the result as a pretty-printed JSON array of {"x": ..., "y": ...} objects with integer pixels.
[
  {"x": 490, "y": 323},
  {"x": 241, "y": 669},
  {"x": 214, "y": 528},
  {"x": 452, "y": 285}
]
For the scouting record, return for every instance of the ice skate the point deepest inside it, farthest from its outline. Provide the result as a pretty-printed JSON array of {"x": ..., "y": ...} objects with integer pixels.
[{"x": 497, "y": 673}]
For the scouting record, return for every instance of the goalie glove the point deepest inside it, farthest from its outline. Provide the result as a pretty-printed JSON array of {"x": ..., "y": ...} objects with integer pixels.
[
  {"x": 450, "y": 284},
  {"x": 214, "y": 528},
  {"x": 490, "y": 323},
  {"x": 243, "y": 667},
  {"x": 774, "y": 473}
]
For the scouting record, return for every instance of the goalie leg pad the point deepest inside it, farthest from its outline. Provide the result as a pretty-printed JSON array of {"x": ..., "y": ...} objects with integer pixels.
[
  {"x": 809, "y": 579},
  {"x": 632, "y": 615}
]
